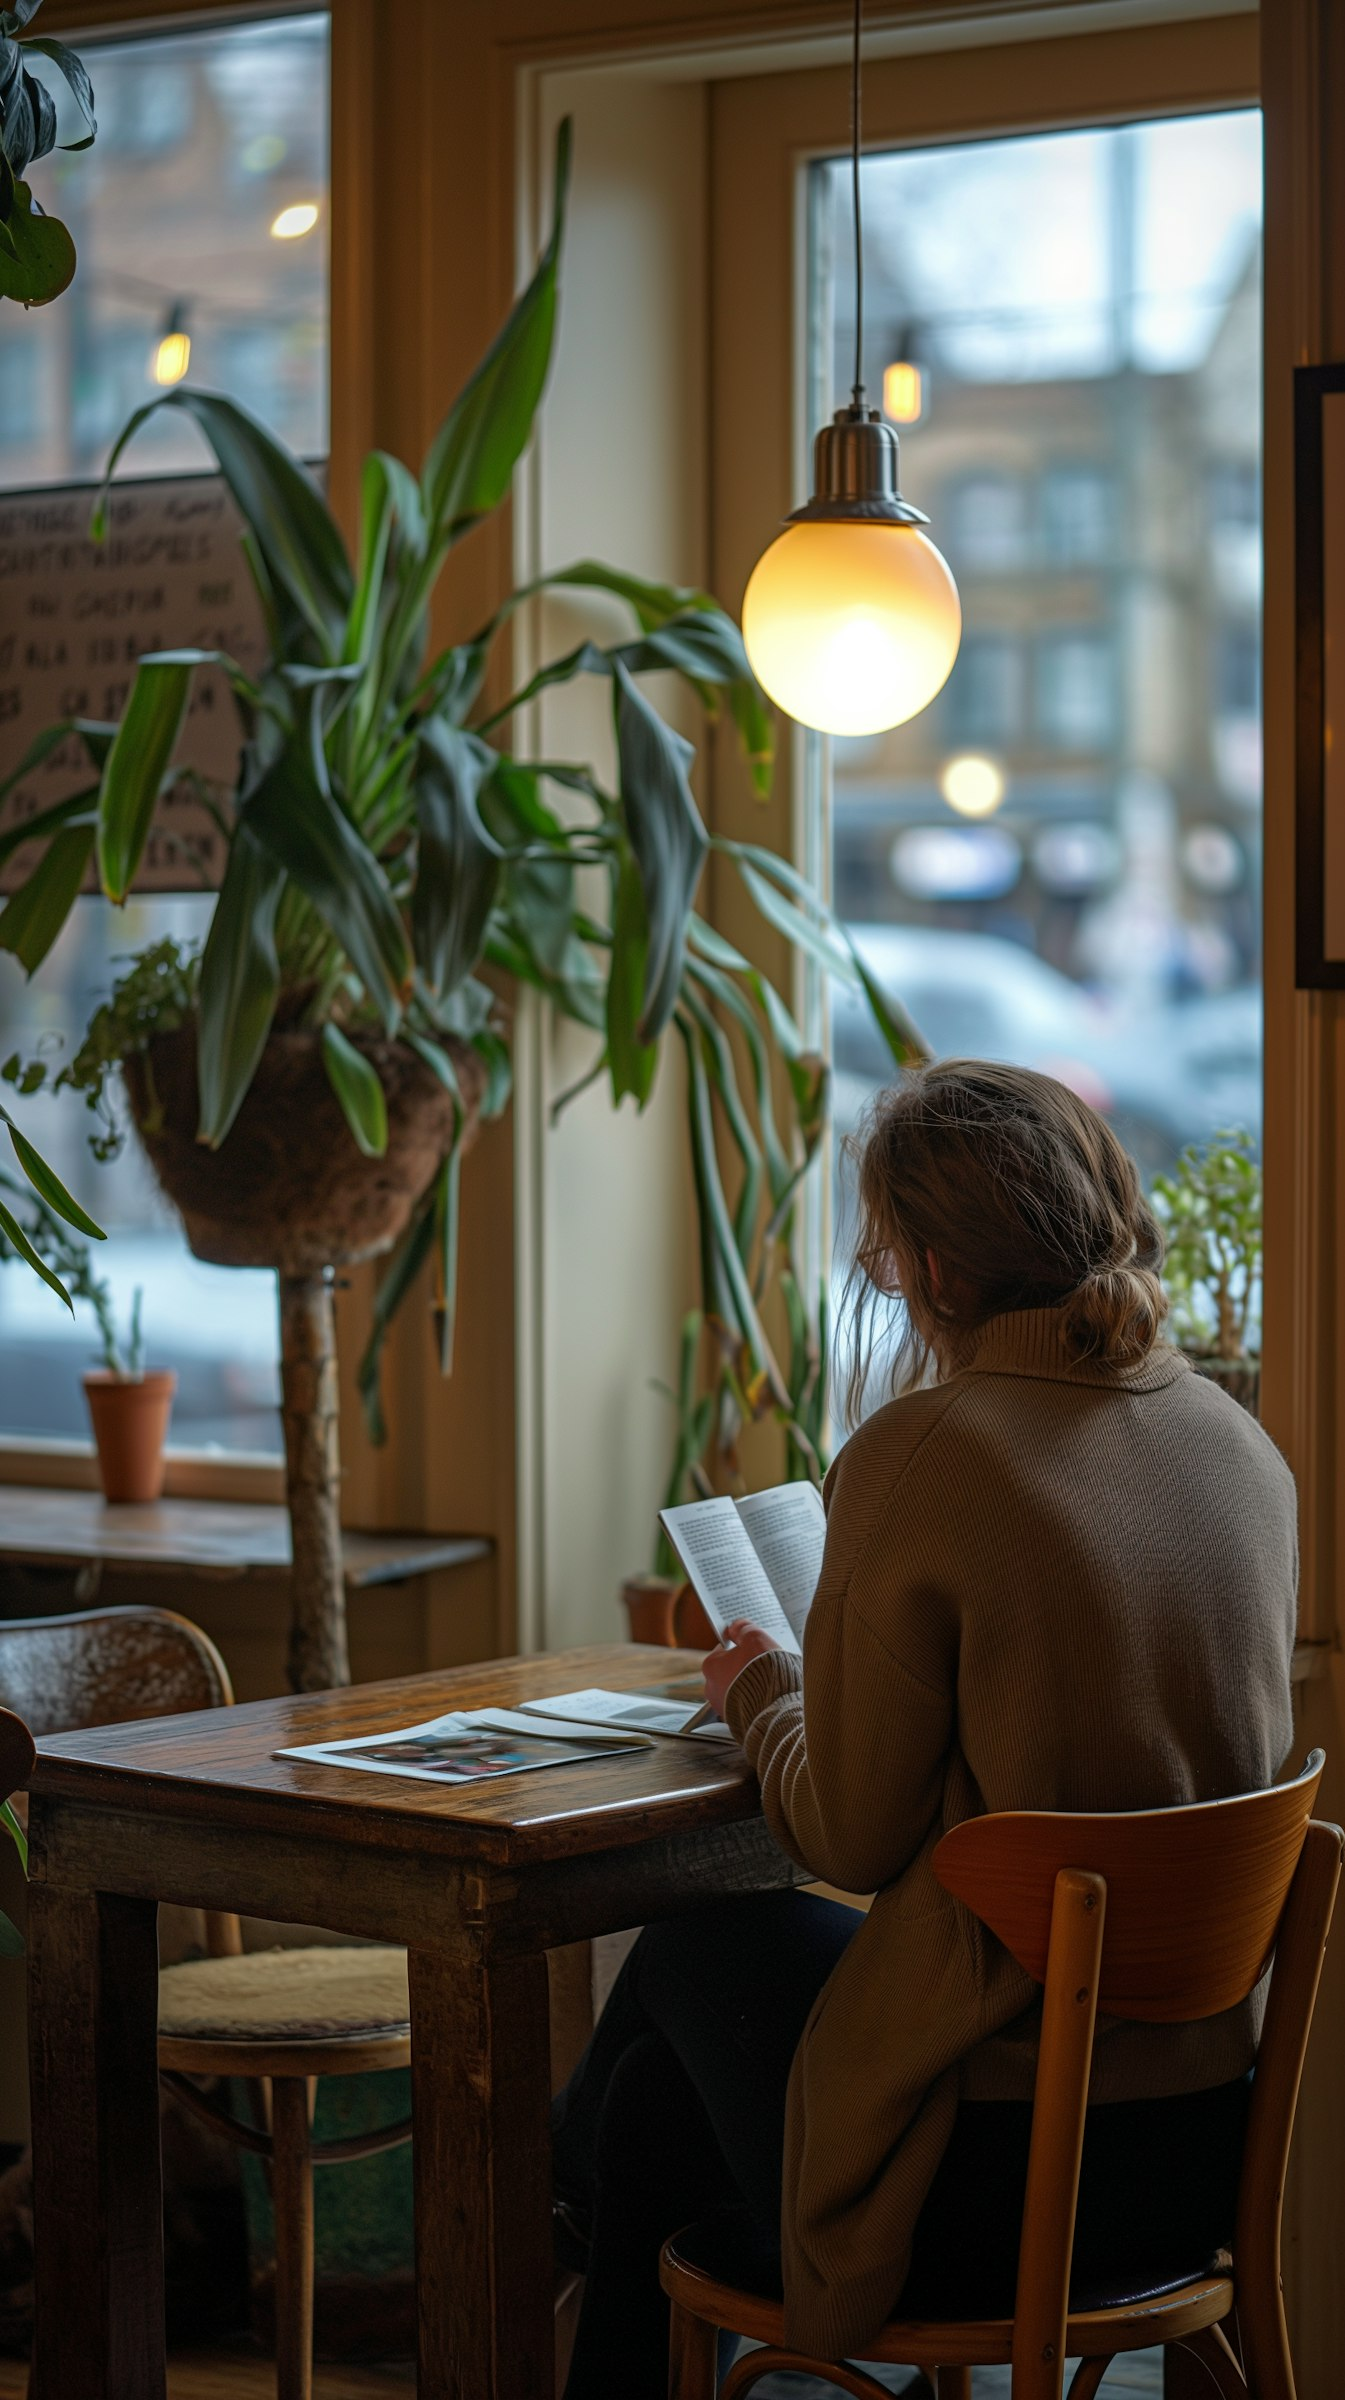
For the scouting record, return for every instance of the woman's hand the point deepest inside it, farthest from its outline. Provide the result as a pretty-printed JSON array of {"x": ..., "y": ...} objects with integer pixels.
[{"x": 739, "y": 1644}]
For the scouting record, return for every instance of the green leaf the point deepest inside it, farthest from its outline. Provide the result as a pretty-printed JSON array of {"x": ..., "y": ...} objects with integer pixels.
[
  {"x": 308, "y": 833},
  {"x": 667, "y": 838},
  {"x": 97, "y": 739},
  {"x": 354, "y": 1079},
  {"x": 728, "y": 1292},
  {"x": 48, "y": 1185},
  {"x": 36, "y": 912},
  {"x": 81, "y": 807},
  {"x": 457, "y": 859},
  {"x": 240, "y": 977},
  {"x": 900, "y": 1031},
  {"x": 37, "y": 260},
  {"x": 11, "y": 1940},
  {"x": 718, "y": 1058},
  {"x": 294, "y": 532},
  {"x": 407, "y": 1261},
  {"x": 137, "y": 764},
  {"x": 9, "y": 1819},
  {"x": 810, "y": 933},
  {"x": 447, "y": 1212},
  {"x": 14, "y": 1233},
  {"x": 632, "y": 1062},
  {"x": 389, "y": 504},
  {"x": 472, "y": 458},
  {"x": 77, "y": 77}
]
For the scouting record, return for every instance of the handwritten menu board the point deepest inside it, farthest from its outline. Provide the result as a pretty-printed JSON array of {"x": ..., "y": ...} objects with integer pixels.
[{"x": 76, "y": 614}]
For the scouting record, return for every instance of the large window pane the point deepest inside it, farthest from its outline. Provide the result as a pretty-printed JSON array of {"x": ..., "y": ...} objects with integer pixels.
[
  {"x": 202, "y": 209},
  {"x": 1059, "y": 861}
]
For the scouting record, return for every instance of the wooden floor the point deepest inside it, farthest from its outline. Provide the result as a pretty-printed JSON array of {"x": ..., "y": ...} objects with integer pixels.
[
  {"x": 1136, "y": 2378},
  {"x": 222, "y": 2378}
]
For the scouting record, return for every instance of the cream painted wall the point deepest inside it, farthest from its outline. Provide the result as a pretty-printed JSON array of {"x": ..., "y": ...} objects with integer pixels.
[{"x": 618, "y": 473}]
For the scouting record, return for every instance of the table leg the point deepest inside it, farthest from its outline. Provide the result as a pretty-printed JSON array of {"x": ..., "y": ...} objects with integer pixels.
[
  {"x": 93, "y": 1984},
  {"x": 481, "y": 2152}
]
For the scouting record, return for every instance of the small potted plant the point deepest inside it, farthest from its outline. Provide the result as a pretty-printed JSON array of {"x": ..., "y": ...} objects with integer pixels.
[
  {"x": 1210, "y": 1210},
  {"x": 129, "y": 1407}
]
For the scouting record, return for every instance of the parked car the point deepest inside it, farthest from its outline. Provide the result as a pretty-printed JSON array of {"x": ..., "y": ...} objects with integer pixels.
[{"x": 1170, "y": 1074}]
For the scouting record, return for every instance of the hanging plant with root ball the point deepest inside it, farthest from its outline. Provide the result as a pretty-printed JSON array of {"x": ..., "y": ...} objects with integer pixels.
[{"x": 306, "y": 1086}]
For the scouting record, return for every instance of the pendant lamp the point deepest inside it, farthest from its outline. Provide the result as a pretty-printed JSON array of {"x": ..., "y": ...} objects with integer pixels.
[{"x": 851, "y": 618}]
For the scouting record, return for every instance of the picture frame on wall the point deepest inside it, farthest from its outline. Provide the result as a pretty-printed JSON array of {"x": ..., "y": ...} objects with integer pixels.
[{"x": 1319, "y": 609}]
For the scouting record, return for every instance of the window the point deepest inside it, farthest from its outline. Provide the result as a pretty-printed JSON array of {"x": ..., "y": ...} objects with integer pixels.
[
  {"x": 1074, "y": 691},
  {"x": 1080, "y": 296},
  {"x": 987, "y": 523},
  {"x": 1076, "y": 516},
  {"x": 205, "y": 138},
  {"x": 986, "y": 704}
]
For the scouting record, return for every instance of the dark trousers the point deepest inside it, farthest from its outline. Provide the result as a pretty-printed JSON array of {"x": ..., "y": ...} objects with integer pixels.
[{"x": 677, "y": 2109}]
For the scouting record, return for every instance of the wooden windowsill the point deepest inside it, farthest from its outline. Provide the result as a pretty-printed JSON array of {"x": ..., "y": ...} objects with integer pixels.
[{"x": 191, "y": 1474}]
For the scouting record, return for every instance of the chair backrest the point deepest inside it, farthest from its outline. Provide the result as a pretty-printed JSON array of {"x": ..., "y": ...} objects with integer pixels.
[
  {"x": 105, "y": 1666},
  {"x": 1193, "y": 1894},
  {"x": 16, "y": 1753},
  {"x": 1168, "y": 1916}
]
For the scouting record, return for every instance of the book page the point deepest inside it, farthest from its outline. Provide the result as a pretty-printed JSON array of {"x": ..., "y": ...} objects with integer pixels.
[
  {"x": 787, "y": 1528},
  {"x": 638, "y": 1712},
  {"x": 712, "y": 1542}
]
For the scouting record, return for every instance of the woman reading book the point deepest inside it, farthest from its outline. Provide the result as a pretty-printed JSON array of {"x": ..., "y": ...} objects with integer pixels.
[{"x": 1059, "y": 1573}]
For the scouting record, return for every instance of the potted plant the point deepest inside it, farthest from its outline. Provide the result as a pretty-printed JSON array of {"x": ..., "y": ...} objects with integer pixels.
[
  {"x": 128, "y": 1406},
  {"x": 1210, "y": 1210},
  {"x": 306, "y": 1086}
]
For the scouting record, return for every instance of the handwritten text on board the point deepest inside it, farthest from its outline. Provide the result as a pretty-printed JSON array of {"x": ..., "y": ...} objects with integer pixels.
[{"x": 76, "y": 614}]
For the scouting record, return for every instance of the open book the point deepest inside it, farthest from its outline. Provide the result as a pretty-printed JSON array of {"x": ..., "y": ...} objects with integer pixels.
[{"x": 757, "y": 1558}]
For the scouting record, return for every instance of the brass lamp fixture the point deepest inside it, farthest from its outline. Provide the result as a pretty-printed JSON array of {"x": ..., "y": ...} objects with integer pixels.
[{"x": 851, "y": 618}]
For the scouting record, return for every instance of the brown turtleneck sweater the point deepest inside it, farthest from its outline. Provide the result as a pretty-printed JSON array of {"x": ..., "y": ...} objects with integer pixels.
[{"x": 1046, "y": 1586}]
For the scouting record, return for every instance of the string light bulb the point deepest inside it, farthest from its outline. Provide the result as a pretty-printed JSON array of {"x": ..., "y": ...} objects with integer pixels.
[
  {"x": 851, "y": 618},
  {"x": 295, "y": 221},
  {"x": 171, "y": 355}
]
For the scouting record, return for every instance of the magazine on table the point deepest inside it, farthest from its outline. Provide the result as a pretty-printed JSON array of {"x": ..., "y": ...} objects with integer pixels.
[
  {"x": 635, "y": 1712},
  {"x": 471, "y": 1746},
  {"x": 758, "y": 1558}
]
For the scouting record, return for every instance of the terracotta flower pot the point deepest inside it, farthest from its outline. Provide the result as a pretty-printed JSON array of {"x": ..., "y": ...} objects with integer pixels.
[
  {"x": 288, "y": 1188},
  {"x": 649, "y": 1601},
  {"x": 130, "y": 1425}
]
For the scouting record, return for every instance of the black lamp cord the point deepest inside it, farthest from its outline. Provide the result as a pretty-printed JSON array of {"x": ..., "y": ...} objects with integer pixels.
[{"x": 857, "y": 393}]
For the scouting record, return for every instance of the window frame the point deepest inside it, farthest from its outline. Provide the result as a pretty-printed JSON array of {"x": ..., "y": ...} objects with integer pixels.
[{"x": 48, "y": 1460}]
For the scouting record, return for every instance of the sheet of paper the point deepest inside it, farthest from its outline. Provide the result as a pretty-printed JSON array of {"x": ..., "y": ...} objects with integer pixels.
[
  {"x": 787, "y": 1528},
  {"x": 637, "y": 1712},
  {"x": 712, "y": 1542}
]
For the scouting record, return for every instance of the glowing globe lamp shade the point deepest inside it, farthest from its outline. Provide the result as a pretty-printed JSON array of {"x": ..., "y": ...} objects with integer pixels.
[
  {"x": 851, "y": 627},
  {"x": 851, "y": 618}
]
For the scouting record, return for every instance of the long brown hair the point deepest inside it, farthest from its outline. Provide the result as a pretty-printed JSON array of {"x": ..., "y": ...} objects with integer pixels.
[{"x": 1025, "y": 1199}]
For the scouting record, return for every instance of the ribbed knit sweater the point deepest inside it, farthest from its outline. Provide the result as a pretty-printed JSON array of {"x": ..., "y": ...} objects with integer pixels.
[{"x": 1046, "y": 1586}]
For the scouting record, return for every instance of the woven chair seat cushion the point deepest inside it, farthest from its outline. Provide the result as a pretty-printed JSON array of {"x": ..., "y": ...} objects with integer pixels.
[{"x": 318, "y": 1995}]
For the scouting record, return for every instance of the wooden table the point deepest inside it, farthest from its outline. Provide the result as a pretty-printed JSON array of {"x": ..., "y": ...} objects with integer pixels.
[
  {"x": 206, "y": 1537},
  {"x": 478, "y": 1883}
]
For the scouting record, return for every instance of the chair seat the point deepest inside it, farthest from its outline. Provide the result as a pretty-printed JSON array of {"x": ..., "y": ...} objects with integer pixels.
[
  {"x": 285, "y": 1999},
  {"x": 722, "y": 2271}
]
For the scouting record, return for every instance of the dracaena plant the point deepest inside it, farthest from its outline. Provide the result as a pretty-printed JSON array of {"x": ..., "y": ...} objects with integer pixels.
[
  {"x": 37, "y": 255},
  {"x": 383, "y": 845}
]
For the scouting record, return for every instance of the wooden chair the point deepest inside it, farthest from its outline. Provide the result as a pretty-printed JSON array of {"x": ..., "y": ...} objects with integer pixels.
[
  {"x": 277, "y": 2018},
  {"x": 1165, "y": 1917}
]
